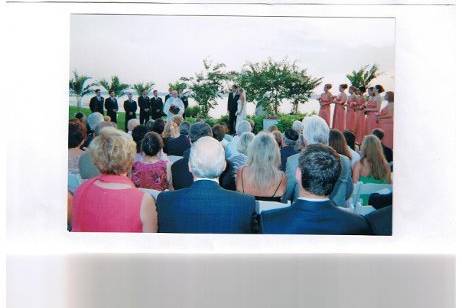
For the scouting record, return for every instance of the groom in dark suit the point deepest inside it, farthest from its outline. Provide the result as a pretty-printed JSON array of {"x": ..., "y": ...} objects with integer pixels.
[
  {"x": 233, "y": 97},
  {"x": 97, "y": 102}
]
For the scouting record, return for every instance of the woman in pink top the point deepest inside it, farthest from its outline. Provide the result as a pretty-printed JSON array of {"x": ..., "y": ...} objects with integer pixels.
[
  {"x": 152, "y": 172},
  {"x": 324, "y": 101},
  {"x": 385, "y": 119},
  {"x": 110, "y": 202},
  {"x": 351, "y": 105},
  {"x": 371, "y": 110},
  {"x": 339, "y": 111},
  {"x": 360, "y": 117}
]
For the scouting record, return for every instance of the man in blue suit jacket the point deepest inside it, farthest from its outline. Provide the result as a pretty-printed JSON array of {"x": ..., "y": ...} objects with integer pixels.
[
  {"x": 313, "y": 213},
  {"x": 205, "y": 207}
]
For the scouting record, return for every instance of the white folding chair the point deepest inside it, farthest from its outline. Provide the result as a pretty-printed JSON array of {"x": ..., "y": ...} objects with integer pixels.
[
  {"x": 154, "y": 193},
  {"x": 367, "y": 189},
  {"x": 174, "y": 158},
  {"x": 270, "y": 205}
]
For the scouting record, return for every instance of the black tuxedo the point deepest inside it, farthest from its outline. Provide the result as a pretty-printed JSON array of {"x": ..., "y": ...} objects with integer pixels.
[
  {"x": 157, "y": 107},
  {"x": 111, "y": 104},
  {"x": 143, "y": 103},
  {"x": 184, "y": 99},
  {"x": 97, "y": 105},
  {"x": 167, "y": 97},
  {"x": 232, "y": 108},
  {"x": 130, "y": 111}
]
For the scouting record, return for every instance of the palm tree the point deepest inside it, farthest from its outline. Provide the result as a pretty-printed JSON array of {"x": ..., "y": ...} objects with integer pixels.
[
  {"x": 114, "y": 85},
  {"x": 364, "y": 76},
  {"x": 141, "y": 87},
  {"x": 80, "y": 86}
]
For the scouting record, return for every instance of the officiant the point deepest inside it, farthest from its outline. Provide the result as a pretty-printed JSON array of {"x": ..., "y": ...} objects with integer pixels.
[{"x": 173, "y": 106}]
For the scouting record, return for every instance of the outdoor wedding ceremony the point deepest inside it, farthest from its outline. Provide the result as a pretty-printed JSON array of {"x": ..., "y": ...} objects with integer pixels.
[{"x": 244, "y": 125}]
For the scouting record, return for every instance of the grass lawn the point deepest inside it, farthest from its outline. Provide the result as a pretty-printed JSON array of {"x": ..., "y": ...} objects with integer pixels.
[{"x": 120, "y": 115}]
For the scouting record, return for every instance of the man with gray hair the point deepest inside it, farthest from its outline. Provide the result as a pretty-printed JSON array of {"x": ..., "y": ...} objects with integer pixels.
[
  {"x": 242, "y": 127},
  {"x": 205, "y": 207},
  {"x": 316, "y": 131}
]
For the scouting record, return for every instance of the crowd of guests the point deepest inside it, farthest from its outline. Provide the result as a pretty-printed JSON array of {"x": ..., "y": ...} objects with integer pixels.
[{"x": 211, "y": 181}]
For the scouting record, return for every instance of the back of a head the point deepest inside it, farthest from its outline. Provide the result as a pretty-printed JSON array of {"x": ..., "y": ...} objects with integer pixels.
[
  {"x": 272, "y": 128},
  {"x": 218, "y": 132},
  {"x": 207, "y": 158},
  {"x": 290, "y": 137},
  {"x": 338, "y": 143},
  {"x": 372, "y": 151},
  {"x": 138, "y": 134},
  {"x": 244, "y": 141},
  {"x": 297, "y": 126},
  {"x": 94, "y": 119},
  {"x": 320, "y": 168},
  {"x": 152, "y": 144},
  {"x": 102, "y": 125},
  {"x": 278, "y": 137},
  {"x": 132, "y": 123},
  {"x": 315, "y": 130},
  {"x": 198, "y": 130},
  {"x": 378, "y": 133},
  {"x": 150, "y": 125},
  {"x": 178, "y": 120},
  {"x": 158, "y": 126},
  {"x": 350, "y": 139},
  {"x": 77, "y": 134},
  {"x": 113, "y": 151},
  {"x": 184, "y": 128},
  {"x": 243, "y": 127}
]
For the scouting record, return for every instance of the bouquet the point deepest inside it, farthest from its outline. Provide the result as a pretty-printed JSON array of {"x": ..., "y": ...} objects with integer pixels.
[{"x": 174, "y": 109}]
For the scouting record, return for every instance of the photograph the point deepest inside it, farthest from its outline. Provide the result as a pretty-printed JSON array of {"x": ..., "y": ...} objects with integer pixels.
[{"x": 231, "y": 124}]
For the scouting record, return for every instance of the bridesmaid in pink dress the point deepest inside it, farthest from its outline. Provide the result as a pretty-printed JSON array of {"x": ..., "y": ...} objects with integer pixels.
[
  {"x": 324, "y": 101},
  {"x": 351, "y": 105},
  {"x": 385, "y": 119},
  {"x": 360, "y": 116},
  {"x": 371, "y": 110},
  {"x": 339, "y": 111}
]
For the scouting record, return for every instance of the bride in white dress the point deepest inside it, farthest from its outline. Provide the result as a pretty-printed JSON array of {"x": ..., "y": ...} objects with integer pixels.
[{"x": 241, "y": 112}]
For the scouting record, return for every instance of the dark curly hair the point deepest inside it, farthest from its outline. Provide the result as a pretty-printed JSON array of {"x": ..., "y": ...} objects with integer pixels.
[
  {"x": 151, "y": 144},
  {"x": 77, "y": 133}
]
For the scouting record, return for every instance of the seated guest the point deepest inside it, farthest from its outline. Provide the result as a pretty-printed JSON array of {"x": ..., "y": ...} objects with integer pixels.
[
  {"x": 176, "y": 143},
  {"x": 107, "y": 118},
  {"x": 93, "y": 120},
  {"x": 231, "y": 147},
  {"x": 338, "y": 143},
  {"x": 261, "y": 176},
  {"x": 240, "y": 159},
  {"x": 379, "y": 201},
  {"x": 151, "y": 171},
  {"x": 372, "y": 167},
  {"x": 318, "y": 170},
  {"x": 131, "y": 124},
  {"x": 386, "y": 150},
  {"x": 110, "y": 202},
  {"x": 82, "y": 118},
  {"x": 380, "y": 221},
  {"x": 87, "y": 168},
  {"x": 350, "y": 139},
  {"x": 184, "y": 128},
  {"x": 219, "y": 134},
  {"x": 272, "y": 128},
  {"x": 278, "y": 137},
  {"x": 138, "y": 134},
  {"x": 205, "y": 207},
  {"x": 298, "y": 127},
  {"x": 289, "y": 145},
  {"x": 316, "y": 131},
  {"x": 158, "y": 126},
  {"x": 76, "y": 137},
  {"x": 182, "y": 177}
]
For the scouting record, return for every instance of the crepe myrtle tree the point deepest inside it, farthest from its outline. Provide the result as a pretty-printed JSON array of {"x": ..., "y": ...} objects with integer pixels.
[
  {"x": 114, "y": 85},
  {"x": 364, "y": 76},
  {"x": 301, "y": 86},
  {"x": 208, "y": 85},
  {"x": 80, "y": 85}
]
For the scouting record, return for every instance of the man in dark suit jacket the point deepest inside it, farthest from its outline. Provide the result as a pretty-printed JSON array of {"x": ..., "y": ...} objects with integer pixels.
[
  {"x": 233, "y": 97},
  {"x": 387, "y": 152},
  {"x": 205, "y": 207},
  {"x": 288, "y": 146},
  {"x": 183, "y": 178},
  {"x": 97, "y": 102},
  {"x": 111, "y": 106},
  {"x": 130, "y": 109},
  {"x": 143, "y": 103},
  {"x": 157, "y": 106},
  {"x": 380, "y": 221},
  {"x": 313, "y": 212}
]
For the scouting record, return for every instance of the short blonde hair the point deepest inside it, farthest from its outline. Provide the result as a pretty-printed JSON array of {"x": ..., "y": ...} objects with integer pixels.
[
  {"x": 113, "y": 151},
  {"x": 132, "y": 123}
]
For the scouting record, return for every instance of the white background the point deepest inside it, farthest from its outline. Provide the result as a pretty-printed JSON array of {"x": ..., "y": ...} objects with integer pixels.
[{"x": 37, "y": 63}]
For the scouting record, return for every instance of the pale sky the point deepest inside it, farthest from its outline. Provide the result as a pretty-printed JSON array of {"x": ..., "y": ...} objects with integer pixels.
[{"x": 162, "y": 49}]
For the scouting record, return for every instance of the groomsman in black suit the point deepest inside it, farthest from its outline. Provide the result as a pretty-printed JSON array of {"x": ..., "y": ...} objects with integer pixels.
[
  {"x": 233, "y": 97},
  {"x": 111, "y": 106},
  {"x": 184, "y": 99},
  {"x": 168, "y": 95},
  {"x": 143, "y": 103},
  {"x": 97, "y": 102},
  {"x": 130, "y": 109},
  {"x": 157, "y": 106}
]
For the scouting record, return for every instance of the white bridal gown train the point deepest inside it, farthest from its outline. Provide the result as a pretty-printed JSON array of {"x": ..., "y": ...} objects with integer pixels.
[{"x": 241, "y": 112}]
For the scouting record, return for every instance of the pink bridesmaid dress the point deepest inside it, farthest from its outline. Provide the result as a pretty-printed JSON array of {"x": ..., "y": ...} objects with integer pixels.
[
  {"x": 339, "y": 112},
  {"x": 350, "y": 115},
  {"x": 386, "y": 125},
  {"x": 324, "y": 110},
  {"x": 371, "y": 120},
  {"x": 360, "y": 119}
]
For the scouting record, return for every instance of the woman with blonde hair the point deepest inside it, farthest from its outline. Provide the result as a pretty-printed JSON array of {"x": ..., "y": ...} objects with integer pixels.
[
  {"x": 110, "y": 202},
  {"x": 261, "y": 177},
  {"x": 372, "y": 167}
]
